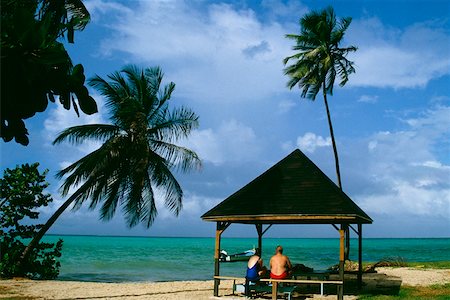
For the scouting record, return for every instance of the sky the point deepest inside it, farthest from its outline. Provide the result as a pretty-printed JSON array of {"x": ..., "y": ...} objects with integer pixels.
[{"x": 391, "y": 120}]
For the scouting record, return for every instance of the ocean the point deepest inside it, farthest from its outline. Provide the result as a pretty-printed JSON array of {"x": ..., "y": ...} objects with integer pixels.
[{"x": 124, "y": 259}]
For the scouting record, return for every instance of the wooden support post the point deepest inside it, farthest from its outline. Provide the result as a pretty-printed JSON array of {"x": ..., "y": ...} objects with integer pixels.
[
  {"x": 360, "y": 256},
  {"x": 216, "y": 261},
  {"x": 260, "y": 234},
  {"x": 220, "y": 228},
  {"x": 347, "y": 243},
  {"x": 274, "y": 290},
  {"x": 340, "y": 291}
]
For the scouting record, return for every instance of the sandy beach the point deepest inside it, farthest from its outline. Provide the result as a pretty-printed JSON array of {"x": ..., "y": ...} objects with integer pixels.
[{"x": 193, "y": 290}]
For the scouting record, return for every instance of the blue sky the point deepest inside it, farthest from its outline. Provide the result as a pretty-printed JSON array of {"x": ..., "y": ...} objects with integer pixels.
[{"x": 391, "y": 120}]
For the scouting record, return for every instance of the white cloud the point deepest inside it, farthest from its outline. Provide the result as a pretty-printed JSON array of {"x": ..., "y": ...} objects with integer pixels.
[
  {"x": 224, "y": 54},
  {"x": 286, "y": 105},
  {"x": 409, "y": 199},
  {"x": 232, "y": 141},
  {"x": 407, "y": 174},
  {"x": 390, "y": 57},
  {"x": 195, "y": 205},
  {"x": 97, "y": 8},
  {"x": 309, "y": 142},
  {"x": 59, "y": 119},
  {"x": 434, "y": 165},
  {"x": 435, "y": 120},
  {"x": 368, "y": 99},
  {"x": 440, "y": 99}
]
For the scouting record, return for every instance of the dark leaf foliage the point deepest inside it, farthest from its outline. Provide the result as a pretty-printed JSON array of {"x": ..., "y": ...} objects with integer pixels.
[
  {"x": 35, "y": 66},
  {"x": 22, "y": 193}
]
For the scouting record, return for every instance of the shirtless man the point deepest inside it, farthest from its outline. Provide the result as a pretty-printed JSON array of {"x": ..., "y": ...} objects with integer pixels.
[{"x": 280, "y": 265}]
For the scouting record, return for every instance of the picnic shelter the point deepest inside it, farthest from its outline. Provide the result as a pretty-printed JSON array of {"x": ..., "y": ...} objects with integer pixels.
[{"x": 293, "y": 191}]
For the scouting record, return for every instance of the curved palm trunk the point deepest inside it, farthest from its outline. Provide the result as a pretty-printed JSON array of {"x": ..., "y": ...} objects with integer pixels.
[
  {"x": 336, "y": 158},
  {"x": 37, "y": 238}
]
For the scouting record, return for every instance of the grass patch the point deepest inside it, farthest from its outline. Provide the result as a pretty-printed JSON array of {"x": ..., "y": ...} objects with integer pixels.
[
  {"x": 430, "y": 265},
  {"x": 401, "y": 262},
  {"x": 433, "y": 292}
]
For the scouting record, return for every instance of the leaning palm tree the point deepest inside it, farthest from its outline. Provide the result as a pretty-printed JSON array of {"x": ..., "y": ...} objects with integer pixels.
[
  {"x": 137, "y": 155},
  {"x": 319, "y": 60}
]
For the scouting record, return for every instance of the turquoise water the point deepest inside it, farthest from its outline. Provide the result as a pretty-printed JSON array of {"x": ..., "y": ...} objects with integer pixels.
[{"x": 119, "y": 259}]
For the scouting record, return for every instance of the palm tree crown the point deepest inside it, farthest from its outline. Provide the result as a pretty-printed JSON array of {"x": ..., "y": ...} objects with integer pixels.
[
  {"x": 320, "y": 58},
  {"x": 137, "y": 152}
]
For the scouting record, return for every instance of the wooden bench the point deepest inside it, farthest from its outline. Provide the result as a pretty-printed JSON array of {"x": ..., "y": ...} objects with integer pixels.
[
  {"x": 275, "y": 289},
  {"x": 275, "y": 283},
  {"x": 287, "y": 290}
]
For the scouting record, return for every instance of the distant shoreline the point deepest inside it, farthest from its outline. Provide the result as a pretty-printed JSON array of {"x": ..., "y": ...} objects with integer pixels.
[{"x": 249, "y": 237}]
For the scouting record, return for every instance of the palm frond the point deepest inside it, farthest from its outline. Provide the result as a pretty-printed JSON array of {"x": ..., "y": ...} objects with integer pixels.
[
  {"x": 134, "y": 202},
  {"x": 175, "y": 125},
  {"x": 149, "y": 209},
  {"x": 177, "y": 157},
  {"x": 113, "y": 195},
  {"x": 164, "y": 179},
  {"x": 94, "y": 164},
  {"x": 79, "y": 134},
  {"x": 138, "y": 83}
]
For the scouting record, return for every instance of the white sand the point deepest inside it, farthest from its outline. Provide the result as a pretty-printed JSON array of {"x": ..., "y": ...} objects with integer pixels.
[
  {"x": 188, "y": 290},
  {"x": 416, "y": 277}
]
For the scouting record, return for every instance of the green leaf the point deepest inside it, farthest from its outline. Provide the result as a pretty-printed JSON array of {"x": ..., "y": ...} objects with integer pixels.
[
  {"x": 70, "y": 33},
  {"x": 88, "y": 105}
]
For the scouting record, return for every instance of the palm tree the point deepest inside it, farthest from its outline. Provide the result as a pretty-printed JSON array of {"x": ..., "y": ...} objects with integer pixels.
[
  {"x": 137, "y": 152},
  {"x": 319, "y": 60}
]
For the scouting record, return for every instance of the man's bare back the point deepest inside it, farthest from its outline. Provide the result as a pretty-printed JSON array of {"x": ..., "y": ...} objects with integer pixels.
[{"x": 280, "y": 264}]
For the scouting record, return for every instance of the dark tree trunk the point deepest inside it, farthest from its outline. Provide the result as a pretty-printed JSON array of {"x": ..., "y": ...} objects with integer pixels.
[
  {"x": 37, "y": 238},
  {"x": 336, "y": 158}
]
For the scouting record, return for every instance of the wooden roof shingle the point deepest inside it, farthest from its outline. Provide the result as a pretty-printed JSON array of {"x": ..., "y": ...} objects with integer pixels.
[{"x": 294, "y": 190}]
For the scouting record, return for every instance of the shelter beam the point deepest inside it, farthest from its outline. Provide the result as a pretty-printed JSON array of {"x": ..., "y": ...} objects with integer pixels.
[
  {"x": 354, "y": 230},
  {"x": 260, "y": 234},
  {"x": 265, "y": 230}
]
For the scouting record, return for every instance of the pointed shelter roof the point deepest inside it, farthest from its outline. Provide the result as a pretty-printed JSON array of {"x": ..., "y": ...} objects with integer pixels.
[{"x": 293, "y": 191}]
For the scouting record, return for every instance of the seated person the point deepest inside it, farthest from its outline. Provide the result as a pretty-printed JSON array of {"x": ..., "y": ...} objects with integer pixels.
[
  {"x": 255, "y": 267},
  {"x": 280, "y": 265}
]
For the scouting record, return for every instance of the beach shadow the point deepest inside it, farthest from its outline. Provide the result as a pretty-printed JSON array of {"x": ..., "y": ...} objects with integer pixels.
[{"x": 373, "y": 284}]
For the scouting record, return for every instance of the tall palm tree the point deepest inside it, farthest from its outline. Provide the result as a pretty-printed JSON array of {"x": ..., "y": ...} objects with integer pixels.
[
  {"x": 137, "y": 152},
  {"x": 319, "y": 60}
]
